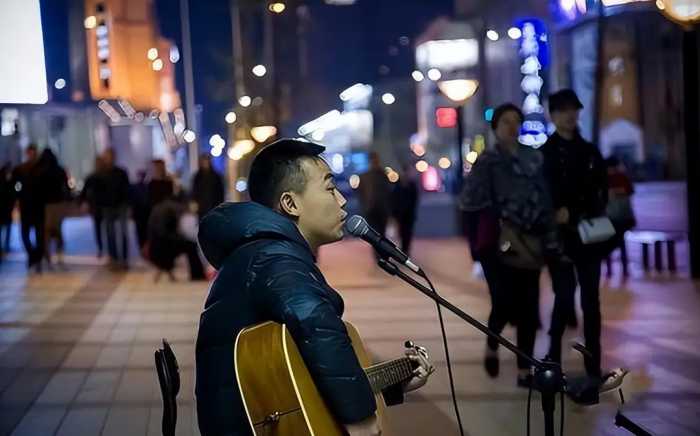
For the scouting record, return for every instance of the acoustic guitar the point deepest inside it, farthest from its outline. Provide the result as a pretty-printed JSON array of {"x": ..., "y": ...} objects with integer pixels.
[{"x": 278, "y": 392}]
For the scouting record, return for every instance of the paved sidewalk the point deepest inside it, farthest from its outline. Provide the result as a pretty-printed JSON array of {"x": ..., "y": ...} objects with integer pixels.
[{"x": 76, "y": 347}]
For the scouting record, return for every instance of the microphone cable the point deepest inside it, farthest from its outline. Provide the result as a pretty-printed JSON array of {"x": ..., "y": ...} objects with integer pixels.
[
  {"x": 529, "y": 402},
  {"x": 561, "y": 429},
  {"x": 447, "y": 353}
]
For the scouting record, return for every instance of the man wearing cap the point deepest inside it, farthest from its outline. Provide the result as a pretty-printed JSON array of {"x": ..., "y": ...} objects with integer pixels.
[
  {"x": 263, "y": 251},
  {"x": 576, "y": 175}
]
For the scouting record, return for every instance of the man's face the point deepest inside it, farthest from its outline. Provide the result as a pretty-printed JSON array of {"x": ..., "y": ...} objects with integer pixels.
[
  {"x": 108, "y": 159},
  {"x": 31, "y": 154},
  {"x": 508, "y": 127},
  {"x": 320, "y": 206},
  {"x": 566, "y": 119}
]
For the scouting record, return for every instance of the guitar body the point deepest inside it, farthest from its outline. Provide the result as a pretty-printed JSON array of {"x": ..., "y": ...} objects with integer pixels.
[{"x": 278, "y": 392}]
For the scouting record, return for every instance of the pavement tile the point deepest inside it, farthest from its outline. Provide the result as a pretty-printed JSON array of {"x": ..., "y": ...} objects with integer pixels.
[
  {"x": 135, "y": 385},
  {"x": 62, "y": 388},
  {"x": 40, "y": 420},
  {"x": 87, "y": 421},
  {"x": 99, "y": 387},
  {"x": 126, "y": 421}
]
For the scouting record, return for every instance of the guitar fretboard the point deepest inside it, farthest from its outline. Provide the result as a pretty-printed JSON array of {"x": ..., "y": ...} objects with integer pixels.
[{"x": 385, "y": 374}]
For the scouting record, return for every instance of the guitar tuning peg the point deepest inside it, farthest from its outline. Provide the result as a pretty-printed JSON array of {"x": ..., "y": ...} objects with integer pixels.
[{"x": 408, "y": 344}]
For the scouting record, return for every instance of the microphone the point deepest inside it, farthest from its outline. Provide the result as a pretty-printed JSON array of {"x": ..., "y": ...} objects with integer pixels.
[{"x": 357, "y": 226}]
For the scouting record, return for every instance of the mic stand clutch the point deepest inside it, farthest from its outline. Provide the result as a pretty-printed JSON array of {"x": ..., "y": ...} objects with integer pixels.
[{"x": 548, "y": 378}]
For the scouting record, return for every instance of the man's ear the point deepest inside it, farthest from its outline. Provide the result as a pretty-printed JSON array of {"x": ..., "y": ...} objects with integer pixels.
[{"x": 288, "y": 204}]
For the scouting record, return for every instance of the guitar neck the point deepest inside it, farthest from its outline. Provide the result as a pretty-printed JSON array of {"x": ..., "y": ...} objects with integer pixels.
[{"x": 385, "y": 374}]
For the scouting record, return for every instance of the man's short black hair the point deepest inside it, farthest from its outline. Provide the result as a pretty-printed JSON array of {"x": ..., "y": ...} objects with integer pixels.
[
  {"x": 278, "y": 168},
  {"x": 502, "y": 109},
  {"x": 564, "y": 99}
]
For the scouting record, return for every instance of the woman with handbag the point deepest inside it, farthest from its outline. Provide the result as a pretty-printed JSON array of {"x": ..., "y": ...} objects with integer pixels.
[{"x": 510, "y": 225}]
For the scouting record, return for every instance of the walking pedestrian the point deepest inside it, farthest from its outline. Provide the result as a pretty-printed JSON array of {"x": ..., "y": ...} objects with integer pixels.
[{"x": 577, "y": 179}]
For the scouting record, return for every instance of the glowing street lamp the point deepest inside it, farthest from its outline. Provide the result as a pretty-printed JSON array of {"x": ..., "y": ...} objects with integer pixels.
[
  {"x": 259, "y": 70},
  {"x": 458, "y": 90},
  {"x": 277, "y": 7},
  {"x": 245, "y": 100},
  {"x": 514, "y": 33},
  {"x": 686, "y": 12},
  {"x": 90, "y": 22},
  {"x": 388, "y": 98}
]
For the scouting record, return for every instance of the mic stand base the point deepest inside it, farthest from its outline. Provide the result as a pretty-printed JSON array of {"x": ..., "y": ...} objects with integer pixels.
[{"x": 548, "y": 378}]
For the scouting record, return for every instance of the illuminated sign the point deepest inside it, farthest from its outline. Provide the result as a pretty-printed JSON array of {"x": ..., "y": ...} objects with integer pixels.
[
  {"x": 446, "y": 117},
  {"x": 448, "y": 54},
  {"x": 534, "y": 53},
  {"x": 22, "y": 68}
]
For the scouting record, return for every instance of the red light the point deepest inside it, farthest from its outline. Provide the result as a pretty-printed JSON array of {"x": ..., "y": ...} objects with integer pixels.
[{"x": 446, "y": 117}]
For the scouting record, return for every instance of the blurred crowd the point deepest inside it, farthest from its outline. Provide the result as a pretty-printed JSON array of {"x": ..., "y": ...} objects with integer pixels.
[{"x": 164, "y": 216}]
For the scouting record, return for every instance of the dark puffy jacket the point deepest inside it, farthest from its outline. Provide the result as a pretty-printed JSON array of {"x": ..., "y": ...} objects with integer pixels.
[{"x": 267, "y": 272}]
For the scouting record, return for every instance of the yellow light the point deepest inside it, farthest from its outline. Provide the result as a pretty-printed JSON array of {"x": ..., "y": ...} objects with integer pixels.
[
  {"x": 472, "y": 156},
  {"x": 230, "y": 118},
  {"x": 216, "y": 151},
  {"x": 259, "y": 70},
  {"x": 263, "y": 133},
  {"x": 245, "y": 146},
  {"x": 421, "y": 166},
  {"x": 388, "y": 98},
  {"x": 189, "y": 136},
  {"x": 458, "y": 90},
  {"x": 514, "y": 33},
  {"x": 152, "y": 54},
  {"x": 434, "y": 74},
  {"x": 444, "y": 163},
  {"x": 233, "y": 153},
  {"x": 245, "y": 101},
  {"x": 157, "y": 65},
  {"x": 680, "y": 11},
  {"x": 277, "y": 7},
  {"x": 393, "y": 177},
  {"x": 354, "y": 181},
  {"x": 90, "y": 22},
  {"x": 418, "y": 150}
]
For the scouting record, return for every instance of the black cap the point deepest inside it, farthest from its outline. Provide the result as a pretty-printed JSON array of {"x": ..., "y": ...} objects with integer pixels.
[{"x": 565, "y": 98}]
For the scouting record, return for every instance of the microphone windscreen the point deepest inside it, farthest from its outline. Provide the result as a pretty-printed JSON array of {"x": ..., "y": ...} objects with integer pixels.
[{"x": 356, "y": 225}]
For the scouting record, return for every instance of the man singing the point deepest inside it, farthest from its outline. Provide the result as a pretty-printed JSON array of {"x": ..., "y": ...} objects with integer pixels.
[{"x": 263, "y": 251}]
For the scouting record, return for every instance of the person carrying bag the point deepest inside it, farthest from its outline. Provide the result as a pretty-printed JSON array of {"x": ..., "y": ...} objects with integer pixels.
[{"x": 510, "y": 226}]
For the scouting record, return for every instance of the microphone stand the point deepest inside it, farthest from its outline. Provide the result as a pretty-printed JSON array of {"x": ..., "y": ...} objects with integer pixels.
[{"x": 548, "y": 378}]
